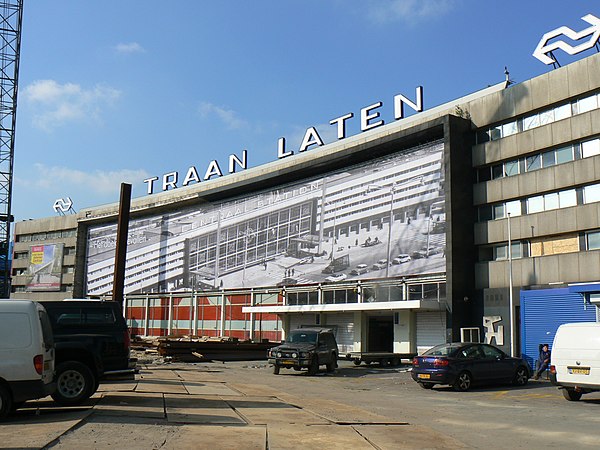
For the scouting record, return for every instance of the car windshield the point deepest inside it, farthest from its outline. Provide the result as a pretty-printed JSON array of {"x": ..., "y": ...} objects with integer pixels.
[
  {"x": 442, "y": 350},
  {"x": 297, "y": 337}
]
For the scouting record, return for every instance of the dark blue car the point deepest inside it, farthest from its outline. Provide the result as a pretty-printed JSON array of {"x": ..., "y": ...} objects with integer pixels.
[{"x": 463, "y": 364}]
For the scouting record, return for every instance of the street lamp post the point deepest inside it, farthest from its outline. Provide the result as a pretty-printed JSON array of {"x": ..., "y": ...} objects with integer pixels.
[
  {"x": 389, "y": 242},
  {"x": 510, "y": 291},
  {"x": 392, "y": 191}
]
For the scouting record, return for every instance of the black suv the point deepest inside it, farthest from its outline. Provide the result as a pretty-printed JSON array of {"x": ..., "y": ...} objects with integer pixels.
[
  {"x": 92, "y": 341},
  {"x": 306, "y": 348}
]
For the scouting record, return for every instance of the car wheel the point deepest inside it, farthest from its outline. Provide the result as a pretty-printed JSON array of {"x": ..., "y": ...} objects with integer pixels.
[
  {"x": 333, "y": 363},
  {"x": 521, "y": 376},
  {"x": 74, "y": 383},
  {"x": 463, "y": 382},
  {"x": 426, "y": 385},
  {"x": 571, "y": 395},
  {"x": 5, "y": 402},
  {"x": 276, "y": 370},
  {"x": 356, "y": 362},
  {"x": 314, "y": 367}
]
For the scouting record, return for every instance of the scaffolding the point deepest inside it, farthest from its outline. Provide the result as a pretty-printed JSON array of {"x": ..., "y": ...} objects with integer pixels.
[{"x": 11, "y": 17}]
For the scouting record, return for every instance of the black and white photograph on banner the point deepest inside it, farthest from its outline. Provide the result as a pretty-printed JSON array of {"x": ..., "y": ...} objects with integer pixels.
[{"x": 379, "y": 219}]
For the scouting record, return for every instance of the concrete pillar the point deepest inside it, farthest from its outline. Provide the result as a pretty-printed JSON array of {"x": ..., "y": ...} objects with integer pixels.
[
  {"x": 404, "y": 332},
  {"x": 359, "y": 333}
]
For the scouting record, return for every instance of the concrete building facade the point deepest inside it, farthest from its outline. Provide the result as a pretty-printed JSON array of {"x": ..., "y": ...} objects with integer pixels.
[{"x": 444, "y": 190}]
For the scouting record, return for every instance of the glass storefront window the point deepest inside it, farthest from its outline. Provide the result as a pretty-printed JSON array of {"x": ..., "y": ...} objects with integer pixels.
[
  {"x": 590, "y": 148},
  {"x": 562, "y": 112},
  {"x": 535, "y": 204},
  {"x": 509, "y": 128},
  {"x": 497, "y": 171},
  {"x": 564, "y": 155},
  {"x": 531, "y": 122},
  {"x": 496, "y": 133},
  {"x": 591, "y": 194},
  {"x": 567, "y": 198},
  {"x": 511, "y": 168},
  {"x": 499, "y": 211},
  {"x": 548, "y": 159},
  {"x": 546, "y": 117},
  {"x": 551, "y": 201},
  {"x": 533, "y": 162},
  {"x": 593, "y": 240},
  {"x": 587, "y": 104},
  {"x": 513, "y": 208}
]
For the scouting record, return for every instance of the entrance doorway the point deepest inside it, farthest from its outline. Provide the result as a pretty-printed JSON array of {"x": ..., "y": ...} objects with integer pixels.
[{"x": 381, "y": 334}]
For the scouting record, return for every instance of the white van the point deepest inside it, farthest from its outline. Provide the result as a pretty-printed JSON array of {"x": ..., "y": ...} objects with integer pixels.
[
  {"x": 26, "y": 354},
  {"x": 575, "y": 359}
]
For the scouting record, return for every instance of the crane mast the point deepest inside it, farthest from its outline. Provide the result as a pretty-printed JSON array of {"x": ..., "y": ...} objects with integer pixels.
[{"x": 11, "y": 18}]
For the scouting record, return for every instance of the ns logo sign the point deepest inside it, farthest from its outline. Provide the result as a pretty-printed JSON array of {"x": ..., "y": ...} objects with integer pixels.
[{"x": 544, "y": 49}]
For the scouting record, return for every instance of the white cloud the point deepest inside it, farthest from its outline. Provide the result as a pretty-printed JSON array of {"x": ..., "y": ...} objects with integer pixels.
[
  {"x": 57, "y": 104},
  {"x": 130, "y": 47},
  {"x": 97, "y": 182},
  {"x": 36, "y": 192},
  {"x": 382, "y": 11},
  {"x": 227, "y": 116}
]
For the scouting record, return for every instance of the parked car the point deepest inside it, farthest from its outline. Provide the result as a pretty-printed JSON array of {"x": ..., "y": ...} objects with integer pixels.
[
  {"x": 381, "y": 264},
  {"x": 336, "y": 277},
  {"x": 426, "y": 252},
  {"x": 92, "y": 342},
  {"x": 418, "y": 254},
  {"x": 305, "y": 348},
  {"x": 360, "y": 269},
  {"x": 401, "y": 259},
  {"x": 26, "y": 354},
  {"x": 575, "y": 359},
  {"x": 287, "y": 282},
  {"x": 462, "y": 365}
]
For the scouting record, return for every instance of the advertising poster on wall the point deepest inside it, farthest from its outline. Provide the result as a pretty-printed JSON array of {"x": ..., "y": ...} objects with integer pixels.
[
  {"x": 45, "y": 267},
  {"x": 379, "y": 219}
]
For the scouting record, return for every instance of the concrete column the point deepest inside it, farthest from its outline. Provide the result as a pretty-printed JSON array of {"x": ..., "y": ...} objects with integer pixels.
[
  {"x": 359, "y": 333},
  {"x": 404, "y": 332},
  {"x": 223, "y": 301},
  {"x": 170, "y": 313},
  {"x": 146, "y": 315}
]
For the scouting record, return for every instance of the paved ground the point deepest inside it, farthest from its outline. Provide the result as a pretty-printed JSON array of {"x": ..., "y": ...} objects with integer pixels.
[{"x": 244, "y": 406}]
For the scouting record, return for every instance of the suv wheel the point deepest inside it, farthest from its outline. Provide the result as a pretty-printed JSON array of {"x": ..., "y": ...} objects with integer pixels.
[
  {"x": 314, "y": 367},
  {"x": 75, "y": 383},
  {"x": 331, "y": 365}
]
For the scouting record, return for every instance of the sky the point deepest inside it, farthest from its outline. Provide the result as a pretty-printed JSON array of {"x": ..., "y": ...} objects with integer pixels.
[{"x": 117, "y": 91}]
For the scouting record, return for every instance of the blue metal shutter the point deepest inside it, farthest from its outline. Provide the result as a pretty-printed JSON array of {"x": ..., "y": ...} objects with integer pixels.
[{"x": 543, "y": 311}]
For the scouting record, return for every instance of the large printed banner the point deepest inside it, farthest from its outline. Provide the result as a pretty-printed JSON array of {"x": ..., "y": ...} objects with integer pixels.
[
  {"x": 384, "y": 218},
  {"x": 45, "y": 267}
]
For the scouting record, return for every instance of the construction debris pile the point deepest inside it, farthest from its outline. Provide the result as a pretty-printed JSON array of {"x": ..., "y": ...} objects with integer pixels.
[{"x": 202, "y": 348}]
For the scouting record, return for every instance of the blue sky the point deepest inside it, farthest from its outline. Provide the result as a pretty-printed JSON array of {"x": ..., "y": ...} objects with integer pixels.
[{"x": 121, "y": 90}]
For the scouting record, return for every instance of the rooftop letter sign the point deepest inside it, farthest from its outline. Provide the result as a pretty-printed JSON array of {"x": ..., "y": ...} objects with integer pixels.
[{"x": 544, "y": 48}]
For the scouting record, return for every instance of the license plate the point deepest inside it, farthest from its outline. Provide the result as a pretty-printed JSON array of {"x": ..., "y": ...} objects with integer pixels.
[
  {"x": 579, "y": 370},
  {"x": 288, "y": 363},
  {"x": 424, "y": 376}
]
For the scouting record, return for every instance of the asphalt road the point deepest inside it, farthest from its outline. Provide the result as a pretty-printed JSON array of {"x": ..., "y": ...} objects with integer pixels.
[{"x": 498, "y": 417}]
